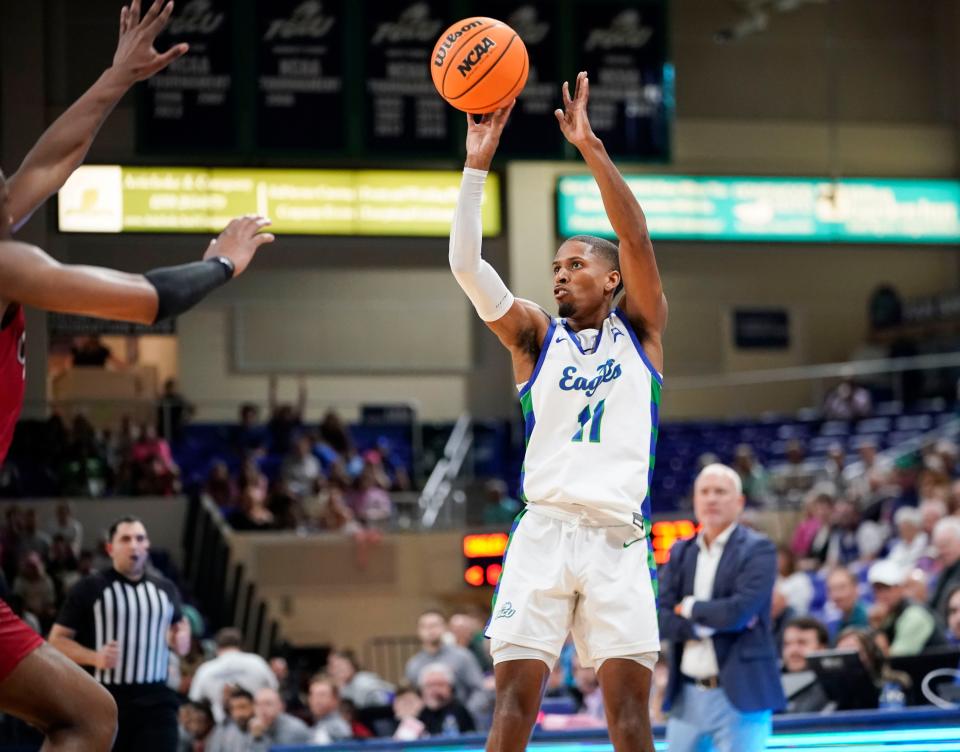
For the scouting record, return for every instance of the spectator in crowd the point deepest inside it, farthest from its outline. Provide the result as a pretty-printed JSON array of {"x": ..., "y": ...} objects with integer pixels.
[
  {"x": 35, "y": 587},
  {"x": 843, "y": 546},
  {"x": 916, "y": 585},
  {"x": 845, "y": 609},
  {"x": 804, "y": 693},
  {"x": 407, "y": 706},
  {"x": 31, "y": 538},
  {"x": 370, "y": 500},
  {"x": 753, "y": 476},
  {"x": 271, "y": 726},
  {"x": 946, "y": 544},
  {"x": 363, "y": 688},
  {"x": 232, "y": 667},
  {"x": 953, "y": 616},
  {"x": 781, "y": 614},
  {"x": 795, "y": 586},
  {"x": 833, "y": 467},
  {"x": 591, "y": 696},
  {"x": 442, "y": 714},
  {"x": 393, "y": 465},
  {"x": 811, "y": 536},
  {"x": 285, "y": 420},
  {"x": 173, "y": 412},
  {"x": 796, "y": 476},
  {"x": 871, "y": 656},
  {"x": 466, "y": 627},
  {"x": 911, "y": 542},
  {"x": 201, "y": 731},
  {"x": 467, "y": 678},
  {"x": 287, "y": 685},
  {"x": 239, "y": 706},
  {"x": 301, "y": 470},
  {"x": 847, "y": 401},
  {"x": 335, "y": 435},
  {"x": 90, "y": 352},
  {"x": 249, "y": 437},
  {"x": 68, "y": 526},
  {"x": 931, "y": 512},
  {"x": 220, "y": 487},
  {"x": 500, "y": 507},
  {"x": 62, "y": 565},
  {"x": 154, "y": 471},
  {"x": 252, "y": 514},
  {"x": 323, "y": 701},
  {"x": 909, "y": 627}
]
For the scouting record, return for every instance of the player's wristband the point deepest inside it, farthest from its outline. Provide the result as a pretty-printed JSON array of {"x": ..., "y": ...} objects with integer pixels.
[{"x": 180, "y": 288}]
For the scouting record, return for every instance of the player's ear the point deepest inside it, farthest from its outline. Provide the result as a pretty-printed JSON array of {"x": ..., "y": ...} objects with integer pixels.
[{"x": 613, "y": 281}]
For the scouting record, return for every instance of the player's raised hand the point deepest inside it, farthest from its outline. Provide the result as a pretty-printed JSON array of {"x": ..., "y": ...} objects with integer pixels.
[
  {"x": 136, "y": 57},
  {"x": 573, "y": 119},
  {"x": 483, "y": 137},
  {"x": 240, "y": 240}
]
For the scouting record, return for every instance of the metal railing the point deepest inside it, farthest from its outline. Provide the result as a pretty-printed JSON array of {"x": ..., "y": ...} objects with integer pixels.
[{"x": 440, "y": 488}]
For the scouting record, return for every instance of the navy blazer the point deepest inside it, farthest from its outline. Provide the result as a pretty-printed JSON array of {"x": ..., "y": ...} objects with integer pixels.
[{"x": 739, "y": 611}]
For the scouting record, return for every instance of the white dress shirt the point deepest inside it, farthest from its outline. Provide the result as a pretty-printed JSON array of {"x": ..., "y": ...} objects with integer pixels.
[{"x": 699, "y": 658}]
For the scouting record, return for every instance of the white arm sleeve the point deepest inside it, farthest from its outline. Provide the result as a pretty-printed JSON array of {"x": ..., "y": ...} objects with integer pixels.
[{"x": 478, "y": 279}]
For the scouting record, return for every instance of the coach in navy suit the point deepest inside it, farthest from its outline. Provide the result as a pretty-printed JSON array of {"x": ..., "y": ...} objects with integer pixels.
[{"x": 715, "y": 612}]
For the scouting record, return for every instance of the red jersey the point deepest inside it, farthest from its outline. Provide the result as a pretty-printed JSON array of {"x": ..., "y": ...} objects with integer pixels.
[{"x": 13, "y": 372}]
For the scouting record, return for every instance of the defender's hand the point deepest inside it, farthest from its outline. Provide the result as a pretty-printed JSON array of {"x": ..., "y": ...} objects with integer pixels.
[
  {"x": 240, "y": 240},
  {"x": 483, "y": 138},
  {"x": 135, "y": 58},
  {"x": 574, "y": 123}
]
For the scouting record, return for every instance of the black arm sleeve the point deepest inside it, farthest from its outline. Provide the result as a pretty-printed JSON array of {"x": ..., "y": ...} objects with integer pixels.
[{"x": 180, "y": 288}]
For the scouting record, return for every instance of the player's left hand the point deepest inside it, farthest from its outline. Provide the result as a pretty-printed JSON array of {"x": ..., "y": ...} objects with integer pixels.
[
  {"x": 136, "y": 58},
  {"x": 573, "y": 119}
]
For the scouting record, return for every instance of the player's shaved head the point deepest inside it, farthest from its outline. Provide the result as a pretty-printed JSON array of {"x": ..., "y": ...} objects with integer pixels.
[{"x": 600, "y": 247}]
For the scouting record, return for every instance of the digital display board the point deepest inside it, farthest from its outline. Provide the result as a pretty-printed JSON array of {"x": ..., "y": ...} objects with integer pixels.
[
  {"x": 114, "y": 199},
  {"x": 811, "y": 210}
]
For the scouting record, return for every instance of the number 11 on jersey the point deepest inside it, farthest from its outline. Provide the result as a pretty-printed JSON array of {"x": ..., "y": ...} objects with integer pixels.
[{"x": 585, "y": 417}]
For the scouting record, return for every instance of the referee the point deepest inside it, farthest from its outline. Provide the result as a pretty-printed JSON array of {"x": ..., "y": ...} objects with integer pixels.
[{"x": 120, "y": 624}]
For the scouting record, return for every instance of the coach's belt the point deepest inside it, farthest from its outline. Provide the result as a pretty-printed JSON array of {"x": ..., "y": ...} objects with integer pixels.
[{"x": 708, "y": 682}]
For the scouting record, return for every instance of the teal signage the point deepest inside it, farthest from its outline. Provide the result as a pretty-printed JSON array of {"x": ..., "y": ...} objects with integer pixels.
[{"x": 809, "y": 210}]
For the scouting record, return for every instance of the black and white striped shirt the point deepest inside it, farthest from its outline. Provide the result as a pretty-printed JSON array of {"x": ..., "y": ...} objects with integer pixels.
[{"x": 106, "y": 606}]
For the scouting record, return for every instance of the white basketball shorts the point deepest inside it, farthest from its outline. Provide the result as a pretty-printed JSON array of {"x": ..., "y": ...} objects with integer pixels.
[{"x": 561, "y": 575}]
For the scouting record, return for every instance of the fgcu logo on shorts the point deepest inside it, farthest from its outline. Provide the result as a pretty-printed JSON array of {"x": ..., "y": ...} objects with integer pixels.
[
  {"x": 573, "y": 382},
  {"x": 475, "y": 55},
  {"x": 506, "y": 611},
  {"x": 450, "y": 39}
]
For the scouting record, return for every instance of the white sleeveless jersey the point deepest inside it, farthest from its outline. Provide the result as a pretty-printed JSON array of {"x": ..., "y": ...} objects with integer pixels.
[{"x": 591, "y": 425}]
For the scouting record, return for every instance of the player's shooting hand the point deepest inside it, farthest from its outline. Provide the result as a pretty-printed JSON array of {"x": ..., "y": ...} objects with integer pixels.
[
  {"x": 108, "y": 656},
  {"x": 483, "y": 137},
  {"x": 240, "y": 240},
  {"x": 573, "y": 119},
  {"x": 136, "y": 58}
]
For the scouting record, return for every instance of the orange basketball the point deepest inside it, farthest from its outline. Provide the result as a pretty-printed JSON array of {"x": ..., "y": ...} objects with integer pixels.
[{"x": 479, "y": 65}]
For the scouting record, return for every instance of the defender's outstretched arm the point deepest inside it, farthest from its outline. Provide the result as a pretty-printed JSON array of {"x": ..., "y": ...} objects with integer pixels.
[
  {"x": 64, "y": 145},
  {"x": 31, "y": 277}
]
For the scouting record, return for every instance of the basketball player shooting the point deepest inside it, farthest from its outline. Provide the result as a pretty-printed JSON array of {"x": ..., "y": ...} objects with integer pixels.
[
  {"x": 579, "y": 558},
  {"x": 37, "y": 682}
]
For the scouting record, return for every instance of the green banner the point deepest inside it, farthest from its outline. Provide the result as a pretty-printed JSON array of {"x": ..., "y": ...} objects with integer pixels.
[
  {"x": 812, "y": 210},
  {"x": 114, "y": 199}
]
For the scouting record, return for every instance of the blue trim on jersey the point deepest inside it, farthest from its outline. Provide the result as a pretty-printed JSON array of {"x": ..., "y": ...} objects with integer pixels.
[
  {"x": 636, "y": 343},
  {"x": 576, "y": 339},
  {"x": 543, "y": 355}
]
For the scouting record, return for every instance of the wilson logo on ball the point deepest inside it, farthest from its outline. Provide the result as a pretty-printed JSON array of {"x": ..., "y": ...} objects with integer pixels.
[
  {"x": 475, "y": 55},
  {"x": 450, "y": 39}
]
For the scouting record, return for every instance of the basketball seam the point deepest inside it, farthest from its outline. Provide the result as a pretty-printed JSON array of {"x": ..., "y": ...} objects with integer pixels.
[
  {"x": 452, "y": 53},
  {"x": 486, "y": 72},
  {"x": 523, "y": 71}
]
